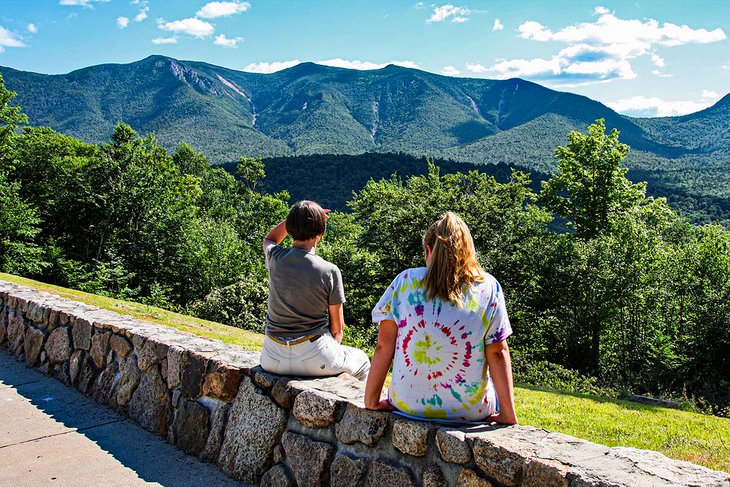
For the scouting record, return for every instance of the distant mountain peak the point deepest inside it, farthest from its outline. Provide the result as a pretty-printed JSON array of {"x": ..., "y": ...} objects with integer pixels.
[{"x": 306, "y": 68}]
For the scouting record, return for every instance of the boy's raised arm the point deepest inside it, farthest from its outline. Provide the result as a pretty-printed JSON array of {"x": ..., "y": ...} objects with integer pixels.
[{"x": 275, "y": 236}]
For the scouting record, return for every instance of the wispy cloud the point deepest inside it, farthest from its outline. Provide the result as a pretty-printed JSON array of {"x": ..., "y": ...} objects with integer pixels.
[
  {"x": 214, "y": 10},
  {"x": 448, "y": 11},
  {"x": 497, "y": 25},
  {"x": 450, "y": 71},
  {"x": 642, "y": 106},
  {"x": 80, "y": 3},
  {"x": 32, "y": 28},
  {"x": 267, "y": 68},
  {"x": 364, "y": 65},
  {"x": 419, "y": 6},
  {"x": 710, "y": 94},
  {"x": 192, "y": 27},
  {"x": 222, "y": 40},
  {"x": 602, "y": 50},
  {"x": 9, "y": 39},
  {"x": 164, "y": 40},
  {"x": 476, "y": 68},
  {"x": 657, "y": 60},
  {"x": 122, "y": 22},
  {"x": 143, "y": 10}
]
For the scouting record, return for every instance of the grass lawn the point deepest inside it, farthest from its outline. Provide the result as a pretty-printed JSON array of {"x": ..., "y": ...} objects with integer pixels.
[
  {"x": 683, "y": 435},
  {"x": 227, "y": 334}
]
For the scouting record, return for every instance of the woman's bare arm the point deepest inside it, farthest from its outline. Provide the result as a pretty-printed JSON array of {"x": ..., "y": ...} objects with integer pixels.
[
  {"x": 380, "y": 365},
  {"x": 500, "y": 369}
]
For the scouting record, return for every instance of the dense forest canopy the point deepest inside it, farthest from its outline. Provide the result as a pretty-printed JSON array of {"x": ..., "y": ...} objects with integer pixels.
[{"x": 632, "y": 297}]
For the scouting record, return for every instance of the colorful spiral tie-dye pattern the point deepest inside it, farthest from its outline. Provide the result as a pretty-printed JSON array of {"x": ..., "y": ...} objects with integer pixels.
[{"x": 439, "y": 368}]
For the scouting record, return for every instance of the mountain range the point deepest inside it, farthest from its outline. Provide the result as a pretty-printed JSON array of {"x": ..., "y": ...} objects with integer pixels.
[{"x": 313, "y": 109}]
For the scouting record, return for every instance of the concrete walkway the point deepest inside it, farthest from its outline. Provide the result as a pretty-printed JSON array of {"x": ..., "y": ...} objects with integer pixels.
[{"x": 51, "y": 434}]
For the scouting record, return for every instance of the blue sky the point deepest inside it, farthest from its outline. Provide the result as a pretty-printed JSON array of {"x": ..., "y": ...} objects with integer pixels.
[{"x": 639, "y": 57}]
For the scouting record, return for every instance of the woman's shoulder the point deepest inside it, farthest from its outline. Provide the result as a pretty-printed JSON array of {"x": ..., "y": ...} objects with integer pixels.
[
  {"x": 489, "y": 283},
  {"x": 408, "y": 275},
  {"x": 413, "y": 273}
]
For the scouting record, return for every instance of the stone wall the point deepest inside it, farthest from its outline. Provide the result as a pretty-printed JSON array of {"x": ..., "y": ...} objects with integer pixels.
[{"x": 214, "y": 401}]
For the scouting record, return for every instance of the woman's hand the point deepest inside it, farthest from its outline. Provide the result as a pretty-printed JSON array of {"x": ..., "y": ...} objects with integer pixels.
[
  {"x": 382, "y": 359},
  {"x": 380, "y": 406},
  {"x": 503, "y": 418},
  {"x": 500, "y": 369},
  {"x": 326, "y": 213}
]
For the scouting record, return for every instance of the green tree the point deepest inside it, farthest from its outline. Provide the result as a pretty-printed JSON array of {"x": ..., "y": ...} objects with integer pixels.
[
  {"x": 10, "y": 115},
  {"x": 250, "y": 171},
  {"x": 189, "y": 161},
  {"x": 18, "y": 219},
  {"x": 591, "y": 188}
]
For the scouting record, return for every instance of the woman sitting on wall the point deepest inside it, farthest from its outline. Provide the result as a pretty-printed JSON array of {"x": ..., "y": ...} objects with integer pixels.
[
  {"x": 444, "y": 329},
  {"x": 304, "y": 322}
]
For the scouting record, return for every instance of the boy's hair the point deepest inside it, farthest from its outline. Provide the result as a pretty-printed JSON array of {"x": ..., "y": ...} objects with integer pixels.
[{"x": 305, "y": 220}]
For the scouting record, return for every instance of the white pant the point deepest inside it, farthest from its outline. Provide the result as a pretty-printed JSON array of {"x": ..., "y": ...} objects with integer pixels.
[{"x": 322, "y": 357}]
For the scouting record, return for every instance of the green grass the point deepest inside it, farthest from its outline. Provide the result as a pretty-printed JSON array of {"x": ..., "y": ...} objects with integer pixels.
[
  {"x": 227, "y": 334},
  {"x": 682, "y": 435}
]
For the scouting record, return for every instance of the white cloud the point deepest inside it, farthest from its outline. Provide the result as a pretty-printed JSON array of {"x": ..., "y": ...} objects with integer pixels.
[
  {"x": 445, "y": 11},
  {"x": 32, "y": 28},
  {"x": 122, "y": 22},
  {"x": 661, "y": 74},
  {"x": 142, "y": 14},
  {"x": 572, "y": 66},
  {"x": 419, "y": 6},
  {"x": 642, "y": 106},
  {"x": 222, "y": 40},
  {"x": 267, "y": 68},
  {"x": 657, "y": 60},
  {"x": 365, "y": 65},
  {"x": 450, "y": 71},
  {"x": 498, "y": 25},
  {"x": 476, "y": 68},
  {"x": 80, "y": 3},
  {"x": 214, "y": 10},
  {"x": 600, "y": 51},
  {"x": 9, "y": 39},
  {"x": 627, "y": 37},
  {"x": 192, "y": 27},
  {"x": 710, "y": 94},
  {"x": 460, "y": 20},
  {"x": 164, "y": 40}
]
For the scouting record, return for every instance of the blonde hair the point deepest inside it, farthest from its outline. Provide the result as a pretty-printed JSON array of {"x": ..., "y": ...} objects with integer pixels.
[{"x": 453, "y": 261}]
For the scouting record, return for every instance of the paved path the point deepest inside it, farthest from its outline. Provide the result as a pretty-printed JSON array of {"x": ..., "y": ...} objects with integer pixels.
[{"x": 51, "y": 434}]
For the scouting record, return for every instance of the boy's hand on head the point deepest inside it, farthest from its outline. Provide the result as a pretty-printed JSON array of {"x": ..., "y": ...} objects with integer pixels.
[{"x": 326, "y": 213}]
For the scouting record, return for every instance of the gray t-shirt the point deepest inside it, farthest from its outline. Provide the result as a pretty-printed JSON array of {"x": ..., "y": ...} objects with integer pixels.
[{"x": 302, "y": 285}]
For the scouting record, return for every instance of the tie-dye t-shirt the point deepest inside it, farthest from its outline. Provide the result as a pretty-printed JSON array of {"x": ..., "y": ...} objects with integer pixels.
[{"x": 439, "y": 366}]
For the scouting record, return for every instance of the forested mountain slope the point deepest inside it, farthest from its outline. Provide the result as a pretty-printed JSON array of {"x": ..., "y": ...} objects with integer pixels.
[{"x": 312, "y": 109}]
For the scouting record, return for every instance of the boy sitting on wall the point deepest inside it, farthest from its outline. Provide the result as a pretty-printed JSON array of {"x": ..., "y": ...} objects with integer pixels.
[{"x": 305, "y": 321}]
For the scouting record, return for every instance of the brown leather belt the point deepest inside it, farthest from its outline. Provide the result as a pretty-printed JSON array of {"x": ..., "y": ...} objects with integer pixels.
[{"x": 297, "y": 341}]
